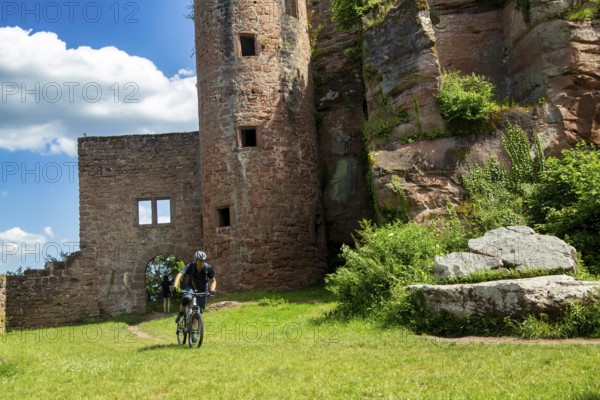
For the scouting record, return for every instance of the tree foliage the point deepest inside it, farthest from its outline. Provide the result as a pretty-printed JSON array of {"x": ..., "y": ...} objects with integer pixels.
[
  {"x": 566, "y": 201},
  {"x": 164, "y": 264}
]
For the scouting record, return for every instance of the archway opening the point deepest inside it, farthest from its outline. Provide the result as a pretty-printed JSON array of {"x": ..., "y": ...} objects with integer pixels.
[{"x": 160, "y": 275}]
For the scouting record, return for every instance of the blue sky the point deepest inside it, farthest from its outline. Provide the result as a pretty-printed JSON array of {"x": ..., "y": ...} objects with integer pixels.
[{"x": 73, "y": 68}]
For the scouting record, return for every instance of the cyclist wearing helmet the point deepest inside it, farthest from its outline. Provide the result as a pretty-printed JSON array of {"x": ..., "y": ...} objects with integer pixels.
[{"x": 199, "y": 276}]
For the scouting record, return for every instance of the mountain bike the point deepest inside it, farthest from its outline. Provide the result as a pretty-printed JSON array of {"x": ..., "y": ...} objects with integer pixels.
[{"x": 190, "y": 328}]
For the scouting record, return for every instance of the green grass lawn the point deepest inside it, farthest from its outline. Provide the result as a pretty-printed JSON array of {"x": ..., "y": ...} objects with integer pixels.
[{"x": 282, "y": 347}]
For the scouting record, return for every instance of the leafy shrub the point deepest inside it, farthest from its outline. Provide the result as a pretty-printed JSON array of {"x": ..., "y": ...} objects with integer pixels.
[
  {"x": 347, "y": 13},
  {"x": 465, "y": 98},
  {"x": 492, "y": 201},
  {"x": 496, "y": 193},
  {"x": 384, "y": 257},
  {"x": 517, "y": 147},
  {"x": 566, "y": 201},
  {"x": 585, "y": 12}
]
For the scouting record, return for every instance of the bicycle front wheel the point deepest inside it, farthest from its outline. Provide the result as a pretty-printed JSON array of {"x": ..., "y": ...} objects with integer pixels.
[
  {"x": 196, "y": 330},
  {"x": 181, "y": 332}
]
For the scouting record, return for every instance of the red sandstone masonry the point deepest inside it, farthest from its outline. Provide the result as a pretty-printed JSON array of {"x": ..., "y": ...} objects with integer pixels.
[
  {"x": 276, "y": 238},
  {"x": 108, "y": 275},
  {"x": 116, "y": 172},
  {"x": 57, "y": 295}
]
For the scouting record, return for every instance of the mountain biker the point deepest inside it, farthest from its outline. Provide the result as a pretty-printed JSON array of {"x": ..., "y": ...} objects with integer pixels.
[{"x": 200, "y": 276}]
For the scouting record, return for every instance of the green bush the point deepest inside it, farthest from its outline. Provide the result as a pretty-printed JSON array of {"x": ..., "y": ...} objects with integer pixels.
[
  {"x": 465, "y": 98},
  {"x": 496, "y": 194},
  {"x": 492, "y": 201},
  {"x": 566, "y": 201},
  {"x": 384, "y": 257},
  {"x": 587, "y": 11},
  {"x": 348, "y": 13}
]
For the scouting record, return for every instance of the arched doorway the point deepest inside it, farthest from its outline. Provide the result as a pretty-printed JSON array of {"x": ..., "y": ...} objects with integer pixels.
[{"x": 161, "y": 266}]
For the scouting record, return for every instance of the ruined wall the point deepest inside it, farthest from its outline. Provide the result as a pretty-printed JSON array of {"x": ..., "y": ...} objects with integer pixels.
[
  {"x": 59, "y": 294},
  {"x": 108, "y": 274},
  {"x": 339, "y": 97},
  {"x": 263, "y": 219},
  {"x": 114, "y": 174}
]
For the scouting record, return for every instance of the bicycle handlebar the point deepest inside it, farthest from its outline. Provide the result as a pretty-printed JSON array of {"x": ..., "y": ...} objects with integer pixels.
[{"x": 197, "y": 293}]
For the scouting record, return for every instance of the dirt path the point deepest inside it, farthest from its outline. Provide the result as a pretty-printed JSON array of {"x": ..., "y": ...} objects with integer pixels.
[{"x": 135, "y": 329}]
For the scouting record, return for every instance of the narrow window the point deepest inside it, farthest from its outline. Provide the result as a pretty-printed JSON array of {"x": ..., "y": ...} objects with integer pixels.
[
  {"x": 248, "y": 137},
  {"x": 163, "y": 211},
  {"x": 145, "y": 212},
  {"x": 224, "y": 217},
  {"x": 247, "y": 44},
  {"x": 291, "y": 8}
]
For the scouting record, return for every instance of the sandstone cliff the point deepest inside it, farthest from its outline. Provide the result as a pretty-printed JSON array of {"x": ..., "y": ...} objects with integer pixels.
[{"x": 536, "y": 58}]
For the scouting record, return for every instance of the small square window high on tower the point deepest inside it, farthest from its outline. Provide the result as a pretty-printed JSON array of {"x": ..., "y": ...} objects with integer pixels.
[
  {"x": 247, "y": 137},
  {"x": 224, "y": 217},
  {"x": 248, "y": 45}
]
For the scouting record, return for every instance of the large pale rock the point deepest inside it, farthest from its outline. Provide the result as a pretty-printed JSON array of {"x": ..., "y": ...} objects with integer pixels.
[
  {"x": 515, "y": 297},
  {"x": 463, "y": 264},
  {"x": 525, "y": 249}
]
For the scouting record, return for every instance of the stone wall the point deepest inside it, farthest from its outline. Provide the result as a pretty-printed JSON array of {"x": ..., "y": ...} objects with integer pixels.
[
  {"x": 108, "y": 275},
  {"x": 263, "y": 218},
  {"x": 59, "y": 294},
  {"x": 115, "y": 173}
]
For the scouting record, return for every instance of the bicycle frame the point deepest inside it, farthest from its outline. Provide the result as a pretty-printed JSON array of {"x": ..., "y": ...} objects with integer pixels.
[{"x": 192, "y": 316}]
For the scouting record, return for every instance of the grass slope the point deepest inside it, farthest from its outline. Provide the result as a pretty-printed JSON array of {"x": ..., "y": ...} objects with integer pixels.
[{"x": 278, "y": 348}]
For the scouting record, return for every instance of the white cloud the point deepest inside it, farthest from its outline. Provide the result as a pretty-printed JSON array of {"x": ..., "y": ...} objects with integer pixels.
[
  {"x": 183, "y": 73},
  {"x": 50, "y": 95},
  {"x": 20, "y": 248},
  {"x": 48, "y": 231}
]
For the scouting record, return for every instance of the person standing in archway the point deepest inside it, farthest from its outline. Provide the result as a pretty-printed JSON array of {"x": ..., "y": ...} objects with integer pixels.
[
  {"x": 200, "y": 276},
  {"x": 166, "y": 293}
]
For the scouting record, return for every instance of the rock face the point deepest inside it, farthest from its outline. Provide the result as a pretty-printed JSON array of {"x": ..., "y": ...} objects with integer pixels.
[
  {"x": 520, "y": 246},
  {"x": 339, "y": 101},
  {"x": 463, "y": 264},
  {"x": 539, "y": 57},
  {"x": 404, "y": 70},
  {"x": 507, "y": 298}
]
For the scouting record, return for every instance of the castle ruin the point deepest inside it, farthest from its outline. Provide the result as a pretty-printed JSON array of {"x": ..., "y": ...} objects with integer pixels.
[{"x": 276, "y": 178}]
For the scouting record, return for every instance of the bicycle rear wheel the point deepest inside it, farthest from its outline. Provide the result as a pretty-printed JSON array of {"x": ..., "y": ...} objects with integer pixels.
[
  {"x": 181, "y": 332},
  {"x": 196, "y": 329}
]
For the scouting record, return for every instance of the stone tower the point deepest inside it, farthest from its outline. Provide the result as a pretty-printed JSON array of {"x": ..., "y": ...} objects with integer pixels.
[{"x": 261, "y": 196}]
